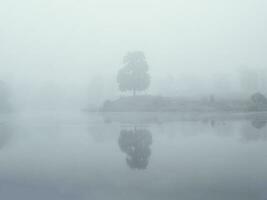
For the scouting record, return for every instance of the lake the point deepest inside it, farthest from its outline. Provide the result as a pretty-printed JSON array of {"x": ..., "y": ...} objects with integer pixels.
[{"x": 81, "y": 156}]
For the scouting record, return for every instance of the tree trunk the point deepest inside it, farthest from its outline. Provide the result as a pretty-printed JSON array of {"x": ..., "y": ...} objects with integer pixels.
[{"x": 134, "y": 93}]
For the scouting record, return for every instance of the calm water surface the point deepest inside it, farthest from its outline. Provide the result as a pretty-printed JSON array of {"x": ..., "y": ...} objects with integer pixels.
[{"x": 80, "y": 156}]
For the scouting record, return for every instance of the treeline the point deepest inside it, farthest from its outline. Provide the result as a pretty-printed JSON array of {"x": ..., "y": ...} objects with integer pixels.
[
  {"x": 134, "y": 77},
  {"x": 146, "y": 103}
]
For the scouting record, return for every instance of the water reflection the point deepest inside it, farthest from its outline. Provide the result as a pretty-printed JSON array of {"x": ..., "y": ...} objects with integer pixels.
[
  {"x": 258, "y": 124},
  {"x": 136, "y": 144},
  {"x": 256, "y": 131},
  {"x": 190, "y": 159},
  {"x": 248, "y": 127}
]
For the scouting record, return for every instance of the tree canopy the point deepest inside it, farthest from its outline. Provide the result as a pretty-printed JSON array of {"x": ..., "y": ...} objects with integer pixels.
[
  {"x": 259, "y": 99},
  {"x": 134, "y": 74}
]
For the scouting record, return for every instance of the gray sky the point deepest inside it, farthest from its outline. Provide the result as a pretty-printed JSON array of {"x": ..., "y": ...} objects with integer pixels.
[{"x": 72, "y": 41}]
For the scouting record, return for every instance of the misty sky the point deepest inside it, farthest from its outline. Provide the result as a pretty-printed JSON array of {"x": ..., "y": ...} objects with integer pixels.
[{"x": 73, "y": 42}]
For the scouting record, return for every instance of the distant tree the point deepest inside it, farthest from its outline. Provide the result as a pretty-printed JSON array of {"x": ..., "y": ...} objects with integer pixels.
[
  {"x": 259, "y": 102},
  {"x": 134, "y": 75},
  {"x": 211, "y": 99},
  {"x": 259, "y": 99}
]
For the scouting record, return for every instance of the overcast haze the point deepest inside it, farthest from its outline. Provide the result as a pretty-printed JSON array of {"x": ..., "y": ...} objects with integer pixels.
[
  {"x": 72, "y": 43},
  {"x": 127, "y": 100}
]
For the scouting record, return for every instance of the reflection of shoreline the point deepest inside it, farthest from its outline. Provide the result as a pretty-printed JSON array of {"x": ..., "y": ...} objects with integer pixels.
[
  {"x": 136, "y": 144},
  {"x": 258, "y": 124},
  {"x": 164, "y": 117},
  {"x": 252, "y": 129},
  {"x": 255, "y": 131}
]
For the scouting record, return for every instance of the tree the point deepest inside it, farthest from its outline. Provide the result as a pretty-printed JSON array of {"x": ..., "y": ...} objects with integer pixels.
[
  {"x": 134, "y": 75},
  {"x": 259, "y": 102},
  {"x": 259, "y": 99}
]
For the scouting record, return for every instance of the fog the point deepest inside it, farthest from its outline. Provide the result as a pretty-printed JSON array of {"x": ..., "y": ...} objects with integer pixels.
[
  {"x": 75, "y": 48},
  {"x": 143, "y": 99}
]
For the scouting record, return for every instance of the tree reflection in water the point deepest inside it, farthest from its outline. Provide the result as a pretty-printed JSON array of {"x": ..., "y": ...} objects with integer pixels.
[
  {"x": 136, "y": 144},
  {"x": 256, "y": 131},
  {"x": 258, "y": 124}
]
